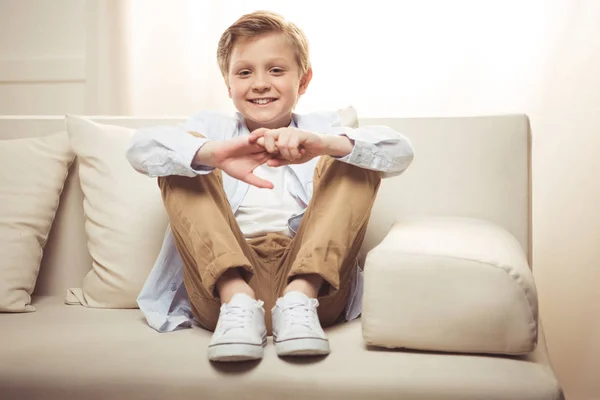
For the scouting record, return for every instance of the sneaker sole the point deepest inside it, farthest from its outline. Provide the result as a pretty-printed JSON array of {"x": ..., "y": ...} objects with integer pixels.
[
  {"x": 302, "y": 347},
  {"x": 232, "y": 352}
]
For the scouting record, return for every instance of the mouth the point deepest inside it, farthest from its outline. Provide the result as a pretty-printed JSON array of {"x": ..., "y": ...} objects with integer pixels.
[{"x": 263, "y": 102}]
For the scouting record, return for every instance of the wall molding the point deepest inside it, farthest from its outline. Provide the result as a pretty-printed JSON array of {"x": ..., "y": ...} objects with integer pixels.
[{"x": 42, "y": 69}]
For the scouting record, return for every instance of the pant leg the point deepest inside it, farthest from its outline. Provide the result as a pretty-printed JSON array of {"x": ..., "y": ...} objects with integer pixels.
[
  {"x": 331, "y": 233},
  {"x": 208, "y": 238},
  {"x": 269, "y": 250}
]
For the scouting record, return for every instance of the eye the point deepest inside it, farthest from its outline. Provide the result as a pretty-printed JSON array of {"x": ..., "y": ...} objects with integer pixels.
[
  {"x": 244, "y": 72},
  {"x": 277, "y": 70}
]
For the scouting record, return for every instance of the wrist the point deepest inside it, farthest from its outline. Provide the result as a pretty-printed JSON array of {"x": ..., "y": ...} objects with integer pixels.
[
  {"x": 338, "y": 145},
  {"x": 206, "y": 155}
]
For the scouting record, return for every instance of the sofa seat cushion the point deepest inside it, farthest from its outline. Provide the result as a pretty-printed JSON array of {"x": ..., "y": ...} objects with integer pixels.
[
  {"x": 68, "y": 352},
  {"x": 450, "y": 284}
]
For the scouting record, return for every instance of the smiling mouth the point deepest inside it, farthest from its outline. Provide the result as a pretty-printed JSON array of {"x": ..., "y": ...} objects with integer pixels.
[{"x": 262, "y": 102}]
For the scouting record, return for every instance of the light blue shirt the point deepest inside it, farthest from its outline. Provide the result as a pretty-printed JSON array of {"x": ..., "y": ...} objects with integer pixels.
[{"x": 165, "y": 150}]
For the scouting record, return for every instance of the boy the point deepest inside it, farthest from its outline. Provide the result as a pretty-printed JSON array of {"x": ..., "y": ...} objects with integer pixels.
[{"x": 268, "y": 208}]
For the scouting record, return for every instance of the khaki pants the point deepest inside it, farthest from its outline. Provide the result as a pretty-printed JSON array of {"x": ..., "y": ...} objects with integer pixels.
[{"x": 327, "y": 243}]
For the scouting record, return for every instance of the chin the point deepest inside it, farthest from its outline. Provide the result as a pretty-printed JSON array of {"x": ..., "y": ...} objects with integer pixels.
[
  {"x": 263, "y": 119},
  {"x": 266, "y": 118}
]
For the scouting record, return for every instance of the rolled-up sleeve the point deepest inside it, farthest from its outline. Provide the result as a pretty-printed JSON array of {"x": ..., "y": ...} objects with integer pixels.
[
  {"x": 169, "y": 150},
  {"x": 377, "y": 148},
  {"x": 164, "y": 151}
]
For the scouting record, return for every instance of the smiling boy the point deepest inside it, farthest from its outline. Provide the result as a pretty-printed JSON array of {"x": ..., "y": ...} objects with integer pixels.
[{"x": 267, "y": 208}]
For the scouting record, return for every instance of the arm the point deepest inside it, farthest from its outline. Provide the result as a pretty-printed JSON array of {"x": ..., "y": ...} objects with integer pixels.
[
  {"x": 164, "y": 151},
  {"x": 378, "y": 148},
  {"x": 205, "y": 157},
  {"x": 174, "y": 150},
  {"x": 338, "y": 146}
]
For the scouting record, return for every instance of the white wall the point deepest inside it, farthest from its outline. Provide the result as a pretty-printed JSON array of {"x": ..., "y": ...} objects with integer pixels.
[
  {"x": 566, "y": 213},
  {"x": 424, "y": 58},
  {"x": 42, "y": 56}
]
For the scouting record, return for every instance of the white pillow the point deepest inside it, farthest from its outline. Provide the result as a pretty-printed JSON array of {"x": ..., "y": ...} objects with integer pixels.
[
  {"x": 32, "y": 175},
  {"x": 348, "y": 117},
  {"x": 450, "y": 284},
  {"x": 125, "y": 220}
]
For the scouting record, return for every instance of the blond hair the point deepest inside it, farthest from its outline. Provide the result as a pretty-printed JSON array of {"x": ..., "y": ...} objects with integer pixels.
[{"x": 258, "y": 23}]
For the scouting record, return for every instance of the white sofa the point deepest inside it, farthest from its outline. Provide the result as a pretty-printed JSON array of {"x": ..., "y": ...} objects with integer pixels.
[{"x": 450, "y": 307}]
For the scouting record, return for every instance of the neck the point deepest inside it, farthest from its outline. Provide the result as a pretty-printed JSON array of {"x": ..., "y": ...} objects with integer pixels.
[{"x": 282, "y": 123}]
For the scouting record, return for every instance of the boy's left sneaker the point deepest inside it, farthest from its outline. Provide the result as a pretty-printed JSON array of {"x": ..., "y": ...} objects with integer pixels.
[{"x": 296, "y": 327}]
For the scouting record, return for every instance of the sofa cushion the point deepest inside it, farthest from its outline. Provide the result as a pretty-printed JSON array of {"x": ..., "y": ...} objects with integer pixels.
[
  {"x": 32, "y": 176},
  {"x": 112, "y": 354},
  {"x": 450, "y": 284},
  {"x": 125, "y": 219}
]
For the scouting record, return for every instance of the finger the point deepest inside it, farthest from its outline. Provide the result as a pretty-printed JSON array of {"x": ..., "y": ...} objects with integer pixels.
[
  {"x": 283, "y": 145},
  {"x": 270, "y": 139},
  {"x": 294, "y": 147},
  {"x": 261, "y": 158},
  {"x": 257, "y": 133},
  {"x": 243, "y": 144},
  {"x": 256, "y": 148},
  {"x": 258, "y": 182},
  {"x": 237, "y": 143}
]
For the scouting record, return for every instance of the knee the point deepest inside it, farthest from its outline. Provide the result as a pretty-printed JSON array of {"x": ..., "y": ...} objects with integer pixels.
[
  {"x": 164, "y": 183},
  {"x": 174, "y": 183},
  {"x": 368, "y": 175},
  {"x": 170, "y": 186},
  {"x": 329, "y": 165}
]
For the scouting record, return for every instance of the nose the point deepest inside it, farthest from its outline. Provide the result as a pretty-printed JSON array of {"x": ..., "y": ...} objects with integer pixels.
[{"x": 261, "y": 84}]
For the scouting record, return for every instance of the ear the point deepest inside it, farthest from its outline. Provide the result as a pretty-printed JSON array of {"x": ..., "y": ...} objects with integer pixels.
[
  {"x": 226, "y": 79},
  {"x": 304, "y": 81}
]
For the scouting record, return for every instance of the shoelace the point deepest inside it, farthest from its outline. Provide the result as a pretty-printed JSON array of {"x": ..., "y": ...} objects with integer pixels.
[
  {"x": 234, "y": 316},
  {"x": 299, "y": 313}
]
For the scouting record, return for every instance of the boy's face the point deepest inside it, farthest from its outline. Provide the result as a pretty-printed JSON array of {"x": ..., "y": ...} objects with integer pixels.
[{"x": 265, "y": 68}]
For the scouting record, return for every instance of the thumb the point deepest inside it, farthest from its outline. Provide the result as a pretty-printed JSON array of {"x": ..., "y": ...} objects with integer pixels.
[{"x": 257, "y": 133}]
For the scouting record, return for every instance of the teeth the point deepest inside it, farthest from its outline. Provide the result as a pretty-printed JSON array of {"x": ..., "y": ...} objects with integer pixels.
[{"x": 261, "y": 101}]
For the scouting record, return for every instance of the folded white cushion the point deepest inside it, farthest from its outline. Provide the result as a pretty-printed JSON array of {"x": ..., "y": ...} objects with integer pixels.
[
  {"x": 32, "y": 176},
  {"x": 125, "y": 220},
  {"x": 450, "y": 284}
]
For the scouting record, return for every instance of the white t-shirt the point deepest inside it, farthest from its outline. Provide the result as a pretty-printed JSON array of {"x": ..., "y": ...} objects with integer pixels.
[{"x": 268, "y": 210}]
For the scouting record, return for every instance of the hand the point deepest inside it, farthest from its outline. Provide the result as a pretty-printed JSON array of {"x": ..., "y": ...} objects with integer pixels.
[
  {"x": 237, "y": 157},
  {"x": 289, "y": 145},
  {"x": 294, "y": 146}
]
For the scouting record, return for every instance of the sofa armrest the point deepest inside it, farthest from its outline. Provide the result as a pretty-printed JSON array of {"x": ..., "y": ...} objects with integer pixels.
[{"x": 450, "y": 284}]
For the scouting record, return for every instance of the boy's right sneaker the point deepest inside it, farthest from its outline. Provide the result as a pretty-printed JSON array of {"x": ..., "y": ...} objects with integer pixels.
[{"x": 240, "y": 334}]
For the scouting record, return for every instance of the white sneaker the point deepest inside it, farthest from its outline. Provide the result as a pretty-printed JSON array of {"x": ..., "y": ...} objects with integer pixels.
[
  {"x": 240, "y": 333},
  {"x": 296, "y": 327}
]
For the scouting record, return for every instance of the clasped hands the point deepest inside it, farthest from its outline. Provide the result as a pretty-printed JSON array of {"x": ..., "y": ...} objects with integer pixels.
[
  {"x": 286, "y": 146},
  {"x": 240, "y": 156}
]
